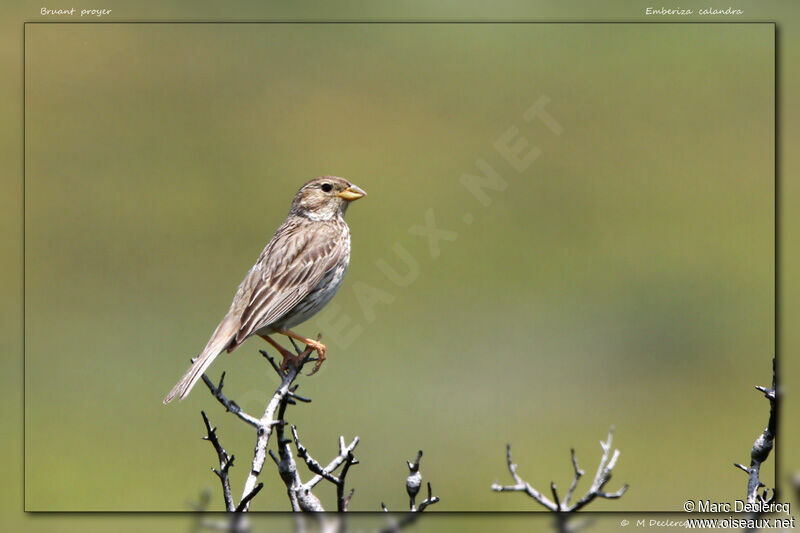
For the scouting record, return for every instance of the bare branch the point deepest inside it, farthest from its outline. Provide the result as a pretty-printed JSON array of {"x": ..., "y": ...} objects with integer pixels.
[
  {"x": 522, "y": 486},
  {"x": 342, "y": 501},
  {"x": 225, "y": 463},
  {"x": 335, "y": 463},
  {"x": 294, "y": 396},
  {"x": 554, "y": 492},
  {"x": 430, "y": 500},
  {"x": 300, "y": 494},
  {"x": 413, "y": 482},
  {"x": 345, "y": 457},
  {"x": 268, "y": 420},
  {"x": 762, "y": 447},
  {"x": 284, "y": 394},
  {"x": 287, "y": 468},
  {"x": 602, "y": 476},
  {"x": 311, "y": 463},
  {"x": 228, "y": 404},
  {"x": 578, "y": 474},
  {"x": 272, "y": 362},
  {"x": 246, "y": 500}
]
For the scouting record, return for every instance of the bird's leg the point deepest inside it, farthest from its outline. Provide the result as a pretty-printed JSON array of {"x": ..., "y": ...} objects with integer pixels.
[
  {"x": 313, "y": 344},
  {"x": 287, "y": 355}
]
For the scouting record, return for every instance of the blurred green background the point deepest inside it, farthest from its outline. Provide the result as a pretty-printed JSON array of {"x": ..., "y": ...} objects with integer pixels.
[{"x": 608, "y": 284}]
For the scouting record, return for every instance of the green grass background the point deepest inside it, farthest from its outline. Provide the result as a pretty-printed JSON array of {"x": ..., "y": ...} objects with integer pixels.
[{"x": 625, "y": 278}]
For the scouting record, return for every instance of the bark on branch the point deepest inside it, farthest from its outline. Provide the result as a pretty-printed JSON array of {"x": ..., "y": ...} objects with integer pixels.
[
  {"x": 762, "y": 448},
  {"x": 413, "y": 483},
  {"x": 264, "y": 426}
]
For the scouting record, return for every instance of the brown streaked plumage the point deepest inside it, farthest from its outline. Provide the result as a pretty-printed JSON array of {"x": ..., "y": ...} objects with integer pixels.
[{"x": 297, "y": 273}]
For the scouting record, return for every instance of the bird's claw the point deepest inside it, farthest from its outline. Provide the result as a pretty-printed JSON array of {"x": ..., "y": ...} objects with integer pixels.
[
  {"x": 318, "y": 364},
  {"x": 320, "y": 349}
]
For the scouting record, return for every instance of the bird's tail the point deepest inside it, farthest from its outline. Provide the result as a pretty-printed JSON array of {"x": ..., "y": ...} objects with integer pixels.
[{"x": 216, "y": 344}]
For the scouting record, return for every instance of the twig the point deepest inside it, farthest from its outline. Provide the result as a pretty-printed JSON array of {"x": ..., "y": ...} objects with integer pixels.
[
  {"x": 413, "y": 483},
  {"x": 603, "y": 475},
  {"x": 345, "y": 457},
  {"x": 268, "y": 420},
  {"x": 229, "y": 405},
  {"x": 578, "y": 474},
  {"x": 335, "y": 463},
  {"x": 246, "y": 500},
  {"x": 300, "y": 494},
  {"x": 225, "y": 463},
  {"x": 522, "y": 486},
  {"x": 287, "y": 468},
  {"x": 284, "y": 394},
  {"x": 342, "y": 501},
  {"x": 762, "y": 448},
  {"x": 311, "y": 463},
  {"x": 430, "y": 500}
]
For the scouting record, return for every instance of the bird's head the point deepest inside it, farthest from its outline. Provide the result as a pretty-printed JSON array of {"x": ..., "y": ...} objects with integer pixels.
[{"x": 325, "y": 198}]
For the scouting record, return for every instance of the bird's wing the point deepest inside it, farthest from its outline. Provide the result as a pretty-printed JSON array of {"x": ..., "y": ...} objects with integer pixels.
[{"x": 292, "y": 264}]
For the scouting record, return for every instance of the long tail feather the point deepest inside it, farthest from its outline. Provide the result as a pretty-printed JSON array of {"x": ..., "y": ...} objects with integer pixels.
[{"x": 216, "y": 344}]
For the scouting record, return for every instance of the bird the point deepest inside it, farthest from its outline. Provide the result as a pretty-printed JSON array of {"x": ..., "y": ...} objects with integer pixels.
[{"x": 294, "y": 277}]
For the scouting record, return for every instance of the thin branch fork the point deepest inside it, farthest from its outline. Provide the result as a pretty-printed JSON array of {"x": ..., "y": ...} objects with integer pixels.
[
  {"x": 413, "y": 483},
  {"x": 225, "y": 463},
  {"x": 345, "y": 454},
  {"x": 300, "y": 492},
  {"x": 287, "y": 468},
  {"x": 268, "y": 420},
  {"x": 345, "y": 458},
  {"x": 604, "y": 471},
  {"x": 229, "y": 405},
  {"x": 762, "y": 448},
  {"x": 264, "y": 425}
]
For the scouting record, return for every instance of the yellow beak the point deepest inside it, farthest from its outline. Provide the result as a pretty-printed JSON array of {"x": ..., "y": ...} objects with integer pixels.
[{"x": 351, "y": 193}]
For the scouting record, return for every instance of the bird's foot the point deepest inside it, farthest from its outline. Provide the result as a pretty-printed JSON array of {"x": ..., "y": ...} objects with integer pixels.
[
  {"x": 320, "y": 349},
  {"x": 313, "y": 345},
  {"x": 296, "y": 359}
]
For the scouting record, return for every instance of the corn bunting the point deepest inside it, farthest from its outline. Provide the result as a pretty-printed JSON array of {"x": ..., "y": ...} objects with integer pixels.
[{"x": 298, "y": 272}]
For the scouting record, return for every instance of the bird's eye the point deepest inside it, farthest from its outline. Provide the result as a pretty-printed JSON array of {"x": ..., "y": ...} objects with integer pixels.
[{"x": 327, "y": 187}]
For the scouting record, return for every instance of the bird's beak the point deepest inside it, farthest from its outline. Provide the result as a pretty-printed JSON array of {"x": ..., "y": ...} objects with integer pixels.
[{"x": 353, "y": 192}]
